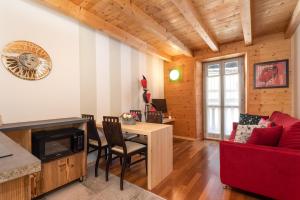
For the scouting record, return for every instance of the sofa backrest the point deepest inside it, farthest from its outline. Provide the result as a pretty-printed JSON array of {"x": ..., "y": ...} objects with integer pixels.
[
  {"x": 283, "y": 119},
  {"x": 291, "y": 133}
]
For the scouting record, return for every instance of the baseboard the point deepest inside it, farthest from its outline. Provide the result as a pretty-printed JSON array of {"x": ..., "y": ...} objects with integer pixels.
[{"x": 185, "y": 138}]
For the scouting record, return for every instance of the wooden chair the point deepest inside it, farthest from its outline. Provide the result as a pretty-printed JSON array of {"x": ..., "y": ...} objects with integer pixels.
[
  {"x": 138, "y": 113},
  {"x": 95, "y": 141},
  {"x": 154, "y": 117},
  {"x": 118, "y": 146}
]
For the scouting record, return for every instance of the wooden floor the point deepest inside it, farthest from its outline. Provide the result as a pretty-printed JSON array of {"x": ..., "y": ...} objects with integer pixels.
[{"x": 195, "y": 175}]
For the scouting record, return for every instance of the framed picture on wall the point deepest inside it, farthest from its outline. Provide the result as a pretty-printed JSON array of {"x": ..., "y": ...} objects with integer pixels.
[{"x": 272, "y": 74}]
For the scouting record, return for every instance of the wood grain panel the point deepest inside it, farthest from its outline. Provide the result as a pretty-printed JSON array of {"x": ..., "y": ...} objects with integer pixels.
[
  {"x": 35, "y": 184},
  {"x": 160, "y": 156},
  {"x": 22, "y": 137},
  {"x": 17, "y": 189},
  {"x": 181, "y": 97},
  {"x": 61, "y": 171},
  {"x": 221, "y": 17}
]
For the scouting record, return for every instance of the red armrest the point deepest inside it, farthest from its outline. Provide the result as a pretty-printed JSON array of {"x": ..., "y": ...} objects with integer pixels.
[{"x": 270, "y": 171}]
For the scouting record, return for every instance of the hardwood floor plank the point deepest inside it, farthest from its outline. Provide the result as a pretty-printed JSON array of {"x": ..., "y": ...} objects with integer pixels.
[{"x": 196, "y": 174}]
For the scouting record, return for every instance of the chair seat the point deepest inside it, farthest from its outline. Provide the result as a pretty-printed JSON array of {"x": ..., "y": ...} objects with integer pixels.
[
  {"x": 128, "y": 136},
  {"x": 95, "y": 142},
  {"x": 141, "y": 139},
  {"x": 131, "y": 147}
]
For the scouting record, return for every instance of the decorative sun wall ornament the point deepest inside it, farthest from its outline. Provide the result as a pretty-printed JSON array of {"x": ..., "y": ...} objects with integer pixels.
[{"x": 26, "y": 60}]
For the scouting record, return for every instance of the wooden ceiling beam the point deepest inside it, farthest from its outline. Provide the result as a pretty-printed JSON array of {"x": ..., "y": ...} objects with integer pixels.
[
  {"x": 294, "y": 22},
  {"x": 188, "y": 10},
  {"x": 245, "y": 11},
  {"x": 94, "y": 21},
  {"x": 149, "y": 24}
]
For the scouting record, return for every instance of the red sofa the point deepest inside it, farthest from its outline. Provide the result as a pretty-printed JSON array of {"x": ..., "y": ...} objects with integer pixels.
[{"x": 266, "y": 170}]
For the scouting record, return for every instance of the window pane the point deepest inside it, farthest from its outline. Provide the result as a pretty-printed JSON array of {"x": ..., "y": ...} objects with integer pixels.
[
  {"x": 213, "y": 91},
  {"x": 231, "y": 90},
  {"x": 213, "y": 120},
  {"x": 213, "y": 70},
  {"x": 231, "y": 67},
  {"x": 231, "y": 114}
]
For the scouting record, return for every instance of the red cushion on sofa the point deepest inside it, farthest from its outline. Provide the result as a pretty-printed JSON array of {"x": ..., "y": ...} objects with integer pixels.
[
  {"x": 266, "y": 136},
  {"x": 291, "y": 136}
]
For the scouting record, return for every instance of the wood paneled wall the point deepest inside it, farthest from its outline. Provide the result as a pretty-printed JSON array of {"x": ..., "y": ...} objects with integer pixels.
[
  {"x": 185, "y": 98},
  {"x": 181, "y": 97}
]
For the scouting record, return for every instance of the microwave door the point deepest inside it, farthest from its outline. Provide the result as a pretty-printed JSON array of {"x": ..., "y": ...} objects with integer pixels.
[{"x": 57, "y": 147}]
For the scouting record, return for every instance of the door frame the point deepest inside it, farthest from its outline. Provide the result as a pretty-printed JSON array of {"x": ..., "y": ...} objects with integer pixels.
[{"x": 242, "y": 89}]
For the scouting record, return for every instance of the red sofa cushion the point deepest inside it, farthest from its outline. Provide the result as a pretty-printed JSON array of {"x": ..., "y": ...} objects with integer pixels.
[
  {"x": 291, "y": 134},
  {"x": 266, "y": 136},
  {"x": 235, "y": 125},
  {"x": 269, "y": 171}
]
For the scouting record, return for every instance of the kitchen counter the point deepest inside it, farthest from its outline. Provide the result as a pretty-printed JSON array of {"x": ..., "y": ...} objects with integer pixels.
[
  {"x": 41, "y": 124},
  {"x": 20, "y": 164}
]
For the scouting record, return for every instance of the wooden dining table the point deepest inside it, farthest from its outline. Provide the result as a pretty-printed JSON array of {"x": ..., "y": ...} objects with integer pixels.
[{"x": 160, "y": 149}]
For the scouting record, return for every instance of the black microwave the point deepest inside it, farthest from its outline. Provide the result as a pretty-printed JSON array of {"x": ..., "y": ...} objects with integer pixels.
[{"x": 50, "y": 145}]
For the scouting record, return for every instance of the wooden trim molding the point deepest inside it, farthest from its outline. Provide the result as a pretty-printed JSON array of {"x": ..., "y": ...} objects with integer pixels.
[
  {"x": 94, "y": 21},
  {"x": 147, "y": 22},
  {"x": 245, "y": 7},
  {"x": 188, "y": 10},
  {"x": 294, "y": 22}
]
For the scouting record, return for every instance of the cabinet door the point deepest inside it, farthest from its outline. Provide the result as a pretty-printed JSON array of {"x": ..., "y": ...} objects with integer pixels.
[
  {"x": 54, "y": 174},
  {"x": 74, "y": 166}
]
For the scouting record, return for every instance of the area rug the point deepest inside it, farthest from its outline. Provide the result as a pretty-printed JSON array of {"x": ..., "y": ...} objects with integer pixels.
[{"x": 98, "y": 189}]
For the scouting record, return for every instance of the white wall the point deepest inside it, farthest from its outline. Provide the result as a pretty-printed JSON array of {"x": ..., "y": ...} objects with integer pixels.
[
  {"x": 296, "y": 59},
  {"x": 58, "y": 94},
  {"x": 87, "y": 52},
  {"x": 92, "y": 73},
  {"x": 119, "y": 69},
  {"x": 111, "y": 73}
]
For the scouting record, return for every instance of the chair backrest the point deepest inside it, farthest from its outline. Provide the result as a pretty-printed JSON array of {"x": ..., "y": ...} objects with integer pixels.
[
  {"x": 92, "y": 131},
  {"x": 113, "y": 132},
  {"x": 154, "y": 117},
  {"x": 138, "y": 113}
]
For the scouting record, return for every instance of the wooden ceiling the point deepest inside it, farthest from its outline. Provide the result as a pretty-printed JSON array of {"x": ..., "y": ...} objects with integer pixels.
[{"x": 173, "y": 27}]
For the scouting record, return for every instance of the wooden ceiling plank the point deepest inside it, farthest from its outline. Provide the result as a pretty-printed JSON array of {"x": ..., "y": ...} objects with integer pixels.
[
  {"x": 245, "y": 11},
  {"x": 148, "y": 23},
  {"x": 294, "y": 22},
  {"x": 87, "y": 4},
  {"x": 188, "y": 10},
  {"x": 96, "y": 22}
]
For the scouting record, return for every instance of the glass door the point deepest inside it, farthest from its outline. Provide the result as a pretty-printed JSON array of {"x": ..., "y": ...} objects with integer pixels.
[{"x": 224, "y": 96}]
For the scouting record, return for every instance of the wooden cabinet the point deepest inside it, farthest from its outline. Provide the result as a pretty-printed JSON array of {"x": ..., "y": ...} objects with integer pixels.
[
  {"x": 35, "y": 184},
  {"x": 61, "y": 171},
  {"x": 75, "y": 169},
  {"x": 16, "y": 189}
]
